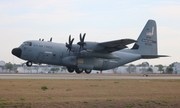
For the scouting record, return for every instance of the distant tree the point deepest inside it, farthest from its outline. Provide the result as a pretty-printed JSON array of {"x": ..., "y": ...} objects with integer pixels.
[
  {"x": 169, "y": 70},
  {"x": 160, "y": 67},
  {"x": 172, "y": 64},
  {"x": 131, "y": 68},
  {"x": 63, "y": 68},
  {"x": 54, "y": 70},
  {"x": 9, "y": 66},
  {"x": 150, "y": 70}
]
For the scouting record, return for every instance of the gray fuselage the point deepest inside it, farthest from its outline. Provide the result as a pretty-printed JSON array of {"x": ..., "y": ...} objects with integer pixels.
[{"x": 57, "y": 54}]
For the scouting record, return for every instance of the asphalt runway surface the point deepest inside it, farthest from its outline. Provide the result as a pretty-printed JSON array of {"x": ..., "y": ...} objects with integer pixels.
[{"x": 88, "y": 76}]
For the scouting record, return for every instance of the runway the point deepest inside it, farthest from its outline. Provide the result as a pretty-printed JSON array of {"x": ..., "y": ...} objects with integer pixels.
[{"x": 87, "y": 76}]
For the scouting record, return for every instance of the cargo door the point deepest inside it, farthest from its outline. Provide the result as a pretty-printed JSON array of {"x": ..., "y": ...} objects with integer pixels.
[{"x": 40, "y": 57}]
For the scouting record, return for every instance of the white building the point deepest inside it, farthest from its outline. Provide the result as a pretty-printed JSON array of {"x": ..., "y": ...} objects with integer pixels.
[
  {"x": 176, "y": 68},
  {"x": 2, "y": 63}
]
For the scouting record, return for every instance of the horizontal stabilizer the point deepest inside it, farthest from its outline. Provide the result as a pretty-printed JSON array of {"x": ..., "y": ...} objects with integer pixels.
[{"x": 152, "y": 56}]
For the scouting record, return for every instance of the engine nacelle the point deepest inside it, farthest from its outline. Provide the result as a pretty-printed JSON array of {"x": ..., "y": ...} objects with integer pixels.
[
  {"x": 92, "y": 46},
  {"x": 85, "y": 66},
  {"x": 69, "y": 61}
]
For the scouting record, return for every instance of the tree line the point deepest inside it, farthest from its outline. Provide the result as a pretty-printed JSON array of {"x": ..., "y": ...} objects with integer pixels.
[{"x": 130, "y": 68}]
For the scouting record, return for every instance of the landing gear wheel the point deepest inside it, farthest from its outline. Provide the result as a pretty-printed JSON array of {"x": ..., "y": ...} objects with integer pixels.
[
  {"x": 78, "y": 71},
  {"x": 87, "y": 71},
  {"x": 70, "y": 70},
  {"x": 28, "y": 63}
]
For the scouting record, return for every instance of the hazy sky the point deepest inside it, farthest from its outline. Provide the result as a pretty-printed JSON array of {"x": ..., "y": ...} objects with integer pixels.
[{"x": 101, "y": 20}]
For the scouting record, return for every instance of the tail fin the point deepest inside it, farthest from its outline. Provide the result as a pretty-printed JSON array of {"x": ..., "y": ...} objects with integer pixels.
[
  {"x": 147, "y": 41},
  {"x": 146, "y": 44}
]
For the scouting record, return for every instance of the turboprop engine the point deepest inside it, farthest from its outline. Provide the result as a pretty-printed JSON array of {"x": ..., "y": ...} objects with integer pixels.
[{"x": 70, "y": 61}]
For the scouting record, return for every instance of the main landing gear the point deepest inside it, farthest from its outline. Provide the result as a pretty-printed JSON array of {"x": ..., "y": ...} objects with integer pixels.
[{"x": 78, "y": 70}]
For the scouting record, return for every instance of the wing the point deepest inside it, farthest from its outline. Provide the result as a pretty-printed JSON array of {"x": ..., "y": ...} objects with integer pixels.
[{"x": 111, "y": 46}]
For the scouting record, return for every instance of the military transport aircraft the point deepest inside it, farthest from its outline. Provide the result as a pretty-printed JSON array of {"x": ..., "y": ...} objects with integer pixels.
[{"x": 87, "y": 56}]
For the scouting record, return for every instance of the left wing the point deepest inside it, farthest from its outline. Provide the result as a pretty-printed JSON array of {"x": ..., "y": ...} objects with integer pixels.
[{"x": 111, "y": 46}]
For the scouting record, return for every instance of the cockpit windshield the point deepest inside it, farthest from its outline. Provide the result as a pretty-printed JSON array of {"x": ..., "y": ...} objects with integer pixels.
[{"x": 27, "y": 43}]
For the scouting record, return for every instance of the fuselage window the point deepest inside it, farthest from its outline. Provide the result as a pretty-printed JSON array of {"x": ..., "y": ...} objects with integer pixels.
[{"x": 27, "y": 43}]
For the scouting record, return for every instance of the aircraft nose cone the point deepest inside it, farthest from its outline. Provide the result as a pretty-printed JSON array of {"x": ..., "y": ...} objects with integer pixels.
[{"x": 17, "y": 52}]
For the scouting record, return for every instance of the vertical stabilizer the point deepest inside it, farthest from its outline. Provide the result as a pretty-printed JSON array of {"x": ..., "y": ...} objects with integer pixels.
[{"x": 147, "y": 40}]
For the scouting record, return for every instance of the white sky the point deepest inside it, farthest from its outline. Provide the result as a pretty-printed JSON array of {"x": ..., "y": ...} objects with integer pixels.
[{"x": 101, "y": 20}]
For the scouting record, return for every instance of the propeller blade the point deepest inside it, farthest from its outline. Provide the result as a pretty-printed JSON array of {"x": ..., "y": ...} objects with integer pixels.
[
  {"x": 72, "y": 41},
  {"x": 83, "y": 37},
  {"x": 80, "y": 36},
  {"x": 69, "y": 39},
  {"x": 69, "y": 45},
  {"x": 81, "y": 43}
]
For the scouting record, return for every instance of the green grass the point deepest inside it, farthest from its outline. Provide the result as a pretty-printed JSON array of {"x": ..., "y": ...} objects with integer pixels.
[{"x": 44, "y": 88}]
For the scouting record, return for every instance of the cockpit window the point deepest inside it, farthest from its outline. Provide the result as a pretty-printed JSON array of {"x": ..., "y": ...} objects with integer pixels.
[{"x": 27, "y": 43}]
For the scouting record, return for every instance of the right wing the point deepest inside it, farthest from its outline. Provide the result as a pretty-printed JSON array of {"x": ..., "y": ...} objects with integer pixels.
[{"x": 116, "y": 45}]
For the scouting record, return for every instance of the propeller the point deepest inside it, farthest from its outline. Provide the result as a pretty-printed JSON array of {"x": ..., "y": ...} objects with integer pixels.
[
  {"x": 81, "y": 43},
  {"x": 69, "y": 45}
]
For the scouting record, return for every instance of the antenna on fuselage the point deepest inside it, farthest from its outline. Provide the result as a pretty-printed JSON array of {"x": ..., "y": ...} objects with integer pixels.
[{"x": 50, "y": 39}]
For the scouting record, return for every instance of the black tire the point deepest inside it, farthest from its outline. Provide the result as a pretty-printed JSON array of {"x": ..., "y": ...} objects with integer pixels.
[
  {"x": 70, "y": 70},
  {"x": 88, "y": 71},
  {"x": 28, "y": 63},
  {"x": 78, "y": 71}
]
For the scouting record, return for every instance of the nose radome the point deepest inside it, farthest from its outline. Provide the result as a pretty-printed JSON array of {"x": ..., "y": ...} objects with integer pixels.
[{"x": 17, "y": 52}]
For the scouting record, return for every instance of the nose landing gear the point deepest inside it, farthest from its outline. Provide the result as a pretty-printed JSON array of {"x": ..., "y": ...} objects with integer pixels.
[{"x": 28, "y": 63}]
